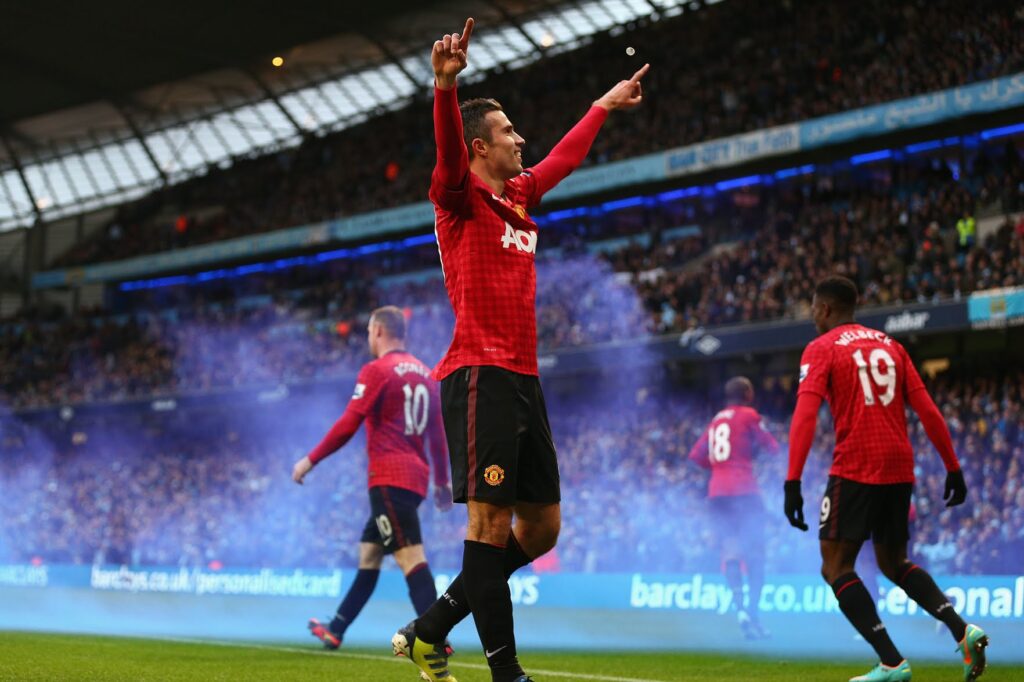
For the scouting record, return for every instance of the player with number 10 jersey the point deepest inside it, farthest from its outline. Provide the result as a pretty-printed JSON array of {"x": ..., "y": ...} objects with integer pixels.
[{"x": 400, "y": 404}]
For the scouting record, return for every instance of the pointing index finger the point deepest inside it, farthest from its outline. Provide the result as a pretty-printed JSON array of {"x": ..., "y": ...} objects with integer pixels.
[
  {"x": 466, "y": 33},
  {"x": 641, "y": 72}
]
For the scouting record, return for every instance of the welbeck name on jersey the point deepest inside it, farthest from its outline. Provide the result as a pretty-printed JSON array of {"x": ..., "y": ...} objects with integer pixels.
[{"x": 846, "y": 338}]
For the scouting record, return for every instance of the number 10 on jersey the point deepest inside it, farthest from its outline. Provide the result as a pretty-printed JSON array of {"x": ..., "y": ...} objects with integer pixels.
[{"x": 417, "y": 407}]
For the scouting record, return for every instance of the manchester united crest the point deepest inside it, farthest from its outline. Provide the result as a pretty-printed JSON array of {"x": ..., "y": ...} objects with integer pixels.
[
  {"x": 520, "y": 211},
  {"x": 494, "y": 475}
]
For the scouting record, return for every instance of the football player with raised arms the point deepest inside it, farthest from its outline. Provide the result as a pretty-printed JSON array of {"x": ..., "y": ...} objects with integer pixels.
[{"x": 499, "y": 440}]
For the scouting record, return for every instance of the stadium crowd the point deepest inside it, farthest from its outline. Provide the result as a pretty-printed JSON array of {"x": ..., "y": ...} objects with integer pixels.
[
  {"x": 724, "y": 69},
  {"x": 212, "y": 486},
  {"x": 652, "y": 268}
]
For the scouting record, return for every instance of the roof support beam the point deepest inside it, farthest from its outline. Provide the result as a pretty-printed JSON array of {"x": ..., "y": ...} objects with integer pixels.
[
  {"x": 123, "y": 113},
  {"x": 510, "y": 18},
  {"x": 21, "y": 174},
  {"x": 586, "y": 17},
  {"x": 392, "y": 57},
  {"x": 273, "y": 98}
]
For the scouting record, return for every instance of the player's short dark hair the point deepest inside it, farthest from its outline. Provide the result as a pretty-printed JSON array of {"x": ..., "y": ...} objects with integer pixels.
[
  {"x": 840, "y": 292},
  {"x": 474, "y": 111},
  {"x": 736, "y": 389},
  {"x": 393, "y": 320}
]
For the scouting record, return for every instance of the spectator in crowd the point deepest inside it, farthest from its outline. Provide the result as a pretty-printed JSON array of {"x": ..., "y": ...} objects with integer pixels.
[{"x": 724, "y": 69}]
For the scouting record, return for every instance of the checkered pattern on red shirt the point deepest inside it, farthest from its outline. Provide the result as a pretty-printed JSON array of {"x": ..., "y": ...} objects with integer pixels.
[
  {"x": 487, "y": 254},
  {"x": 866, "y": 377},
  {"x": 488, "y": 243},
  {"x": 729, "y": 445},
  {"x": 402, "y": 408}
]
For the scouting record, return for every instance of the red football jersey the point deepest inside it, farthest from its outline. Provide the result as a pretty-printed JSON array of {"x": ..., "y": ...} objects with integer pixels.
[
  {"x": 728, "y": 447},
  {"x": 402, "y": 408},
  {"x": 487, "y": 244},
  {"x": 866, "y": 377}
]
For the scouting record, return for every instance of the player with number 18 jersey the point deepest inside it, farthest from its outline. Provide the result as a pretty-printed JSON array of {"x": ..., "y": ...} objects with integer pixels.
[{"x": 728, "y": 447}]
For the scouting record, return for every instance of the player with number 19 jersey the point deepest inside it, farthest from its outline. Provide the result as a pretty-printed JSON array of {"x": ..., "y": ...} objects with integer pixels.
[{"x": 866, "y": 377}]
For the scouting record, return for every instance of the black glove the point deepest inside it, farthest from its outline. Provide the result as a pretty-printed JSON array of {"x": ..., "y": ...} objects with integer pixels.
[
  {"x": 794, "y": 504},
  {"x": 956, "y": 489}
]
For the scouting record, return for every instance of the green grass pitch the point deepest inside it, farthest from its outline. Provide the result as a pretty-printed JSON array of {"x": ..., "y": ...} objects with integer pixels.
[{"x": 33, "y": 656}]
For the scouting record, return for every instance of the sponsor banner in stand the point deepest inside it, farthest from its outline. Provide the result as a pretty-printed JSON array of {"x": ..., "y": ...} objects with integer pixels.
[
  {"x": 997, "y": 308},
  {"x": 757, "y": 337}
]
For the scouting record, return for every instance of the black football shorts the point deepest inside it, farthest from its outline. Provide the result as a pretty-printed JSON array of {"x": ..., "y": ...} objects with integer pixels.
[
  {"x": 499, "y": 438},
  {"x": 740, "y": 520},
  {"x": 394, "y": 522},
  {"x": 860, "y": 511}
]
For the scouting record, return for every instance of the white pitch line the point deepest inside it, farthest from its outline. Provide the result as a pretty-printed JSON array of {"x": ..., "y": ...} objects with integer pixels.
[{"x": 392, "y": 659}]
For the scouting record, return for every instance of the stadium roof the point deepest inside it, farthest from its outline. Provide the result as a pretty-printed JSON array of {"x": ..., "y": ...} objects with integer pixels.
[{"x": 104, "y": 102}]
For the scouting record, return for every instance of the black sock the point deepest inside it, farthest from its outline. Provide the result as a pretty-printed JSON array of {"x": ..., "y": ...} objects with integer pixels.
[
  {"x": 421, "y": 587},
  {"x": 755, "y": 583},
  {"x": 920, "y": 587},
  {"x": 859, "y": 608},
  {"x": 734, "y": 579},
  {"x": 453, "y": 606},
  {"x": 355, "y": 600},
  {"x": 490, "y": 602}
]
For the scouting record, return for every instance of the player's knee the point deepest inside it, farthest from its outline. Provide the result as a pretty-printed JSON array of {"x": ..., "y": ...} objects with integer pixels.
[
  {"x": 545, "y": 540},
  {"x": 891, "y": 569},
  {"x": 831, "y": 571},
  {"x": 537, "y": 538},
  {"x": 371, "y": 556},
  {"x": 410, "y": 557}
]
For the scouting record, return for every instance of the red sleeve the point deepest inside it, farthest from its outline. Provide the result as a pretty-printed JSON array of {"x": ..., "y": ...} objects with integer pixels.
[
  {"x": 369, "y": 386},
  {"x": 801, "y": 433},
  {"x": 699, "y": 451},
  {"x": 448, "y": 183},
  {"x": 815, "y": 365},
  {"x": 911, "y": 379},
  {"x": 763, "y": 439},
  {"x": 566, "y": 157},
  {"x": 437, "y": 442},
  {"x": 339, "y": 434},
  {"x": 934, "y": 424}
]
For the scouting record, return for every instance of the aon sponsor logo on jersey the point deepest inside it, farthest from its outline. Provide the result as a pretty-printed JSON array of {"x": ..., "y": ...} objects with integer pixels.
[{"x": 522, "y": 240}]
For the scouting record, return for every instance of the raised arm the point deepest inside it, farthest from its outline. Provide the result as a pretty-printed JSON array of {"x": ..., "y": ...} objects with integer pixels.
[
  {"x": 448, "y": 59},
  {"x": 568, "y": 154}
]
